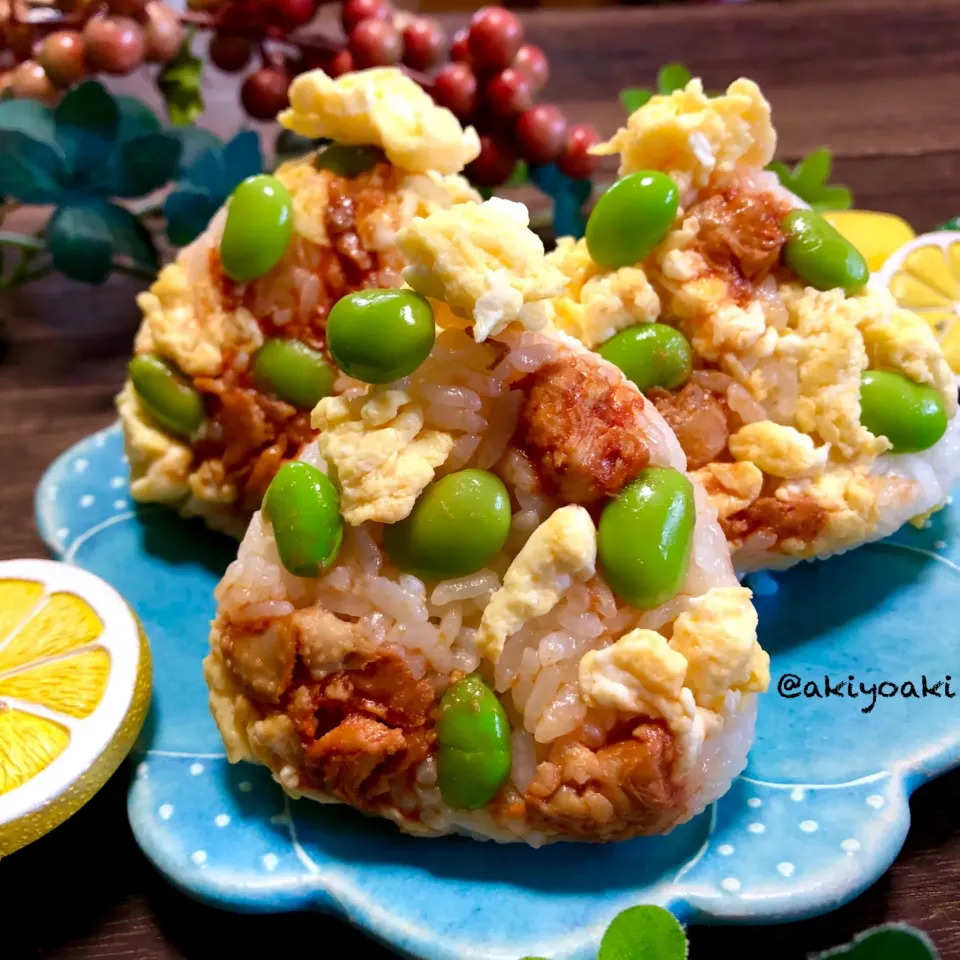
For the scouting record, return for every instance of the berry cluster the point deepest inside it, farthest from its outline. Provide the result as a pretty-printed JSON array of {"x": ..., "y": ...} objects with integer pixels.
[{"x": 490, "y": 80}]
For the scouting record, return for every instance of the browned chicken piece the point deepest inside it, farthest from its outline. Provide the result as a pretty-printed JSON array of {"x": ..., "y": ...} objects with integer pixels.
[
  {"x": 800, "y": 519},
  {"x": 262, "y": 654},
  {"x": 698, "y": 419},
  {"x": 609, "y": 792},
  {"x": 581, "y": 427}
]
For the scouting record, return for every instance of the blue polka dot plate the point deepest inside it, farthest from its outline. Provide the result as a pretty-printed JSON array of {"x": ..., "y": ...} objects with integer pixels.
[{"x": 859, "y": 714}]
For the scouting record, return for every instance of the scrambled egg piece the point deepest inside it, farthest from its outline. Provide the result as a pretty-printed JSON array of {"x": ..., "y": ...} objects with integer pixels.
[
  {"x": 599, "y": 304},
  {"x": 159, "y": 465},
  {"x": 639, "y": 674},
  {"x": 731, "y": 487},
  {"x": 718, "y": 638},
  {"x": 778, "y": 450},
  {"x": 562, "y": 550},
  {"x": 382, "y": 455},
  {"x": 485, "y": 263},
  {"x": 382, "y": 108},
  {"x": 695, "y": 139}
]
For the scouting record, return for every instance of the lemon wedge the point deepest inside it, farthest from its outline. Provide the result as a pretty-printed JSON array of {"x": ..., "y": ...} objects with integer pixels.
[
  {"x": 924, "y": 276},
  {"x": 75, "y": 676},
  {"x": 875, "y": 235}
]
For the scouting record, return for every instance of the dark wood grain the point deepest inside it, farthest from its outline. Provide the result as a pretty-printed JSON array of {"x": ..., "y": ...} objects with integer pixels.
[{"x": 878, "y": 80}]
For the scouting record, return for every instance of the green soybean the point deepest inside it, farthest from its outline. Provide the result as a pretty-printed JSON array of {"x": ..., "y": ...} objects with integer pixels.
[
  {"x": 166, "y": 394},
  {"x": 303, "y": 508},
  {"x": 817, "y": 252},
  {"x": 651, "y": 355},
  {"x": 258, "y": 228},
  {"x": 379, "y": 336},
  {"x": 910, "y": 415},
  {"x": 473, "y": 744},
  {"x": 294, "y": 372},
  {"x": 631, "y": 218},
  {"x": 645, "y": 536},
  {"x": 346, "y": 161},
  {"x": 455, "y": 527}
]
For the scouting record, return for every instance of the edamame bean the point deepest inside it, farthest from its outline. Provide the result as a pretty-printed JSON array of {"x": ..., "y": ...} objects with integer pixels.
[
  {"x": 910, "y": 415},
  {"x": 631, "y": 218},
  {"x": 820, "y": 255},
  {"x": 645, "y": 536},
  {"x": 455, "y": 527},
  {"x": 303, "y": 508},
  {"x": 292, "y": 371},
  {"x": 258, "y": 228},
  {"x": 379, "y": 336},
  {"x": 651, "y": 355},
  {"x": 473, "y": 744},
  {"x": 347, "y": 161},
  {"x": 166, "y": 394}
]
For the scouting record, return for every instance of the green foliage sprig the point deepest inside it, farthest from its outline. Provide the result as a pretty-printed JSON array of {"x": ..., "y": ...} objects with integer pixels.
[{"x": 808, "y": 180}]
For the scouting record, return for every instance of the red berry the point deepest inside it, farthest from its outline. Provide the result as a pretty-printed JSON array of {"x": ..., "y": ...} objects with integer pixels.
[
  {"x": 540, "y": 133},
  {"x": 575, "y": 161},
  {"x": 459, "y": 49},
  {"x": 375, "y": 43},
  {"x": 264, "y": 92},
  {"x": 62, "y": 57},
  {"x": 455, "y": 87},
  {"x": 508, "y": 93},
  {"x": 422, "y": 43},
  {"x": 127, "y": 8},
  {"x": 341, "y": 63},
  {"x": 29, "y": 81},
  {"x": 533, "y": 62},
  {"x": 353, "y": 11},
  {"x": 495, "y": 37},
  {"x": 114, "y": 45},
  {"x": 494, "y": 163},
  {"x": 162, "y": 32},
  {"x": 229, "y": 52},
  {"x": 296, "y": 13}
]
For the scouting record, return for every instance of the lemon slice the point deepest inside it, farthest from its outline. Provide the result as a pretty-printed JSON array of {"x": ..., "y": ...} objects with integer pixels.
[
  {"x": 74, "y": 690},
  {"x": 924, "y": 276},
  {"x": 875, "y": 235}
]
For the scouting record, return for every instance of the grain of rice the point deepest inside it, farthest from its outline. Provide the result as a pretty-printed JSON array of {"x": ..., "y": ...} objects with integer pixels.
[
  {"x": 462, "y": 451},
  {"x": 744, "y": 405},
  {"x": 503, "y": 425},
  {"x": 450, "y": 623},
  {"x": 392, "y": 599},
  {"x": 464, "y": 588},
  {"x": 545, "y": 688},
  {"x": 524, "y": 762},
  {"x": 448, "y": 396},
  {"x": 556, "y": 646},
  {"x": 563, "y": 715},
  {"x": 454, "y": 418},
  {"x": 712, "y": 380},
  {"x": 262, "y": 611}
]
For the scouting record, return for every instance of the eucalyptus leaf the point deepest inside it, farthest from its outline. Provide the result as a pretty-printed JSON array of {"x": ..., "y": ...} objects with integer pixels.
[
  {"x": 673, "y": 76},
  {"x": 136, "y": 118},
  {"x": 80, "y": 241},
  {"x": 547, "y": 178},
  {"x": 644, "y": 933},
  {"x": 633, "y": 98},
  {"x": 29, "y": 117},
  {"x": 188, "y": 211},
  {"x": 86, "y": 121},
  {"x": 290, "y": 145},
  {"x": 195, "y": 141},
  {"x": 129, "y": 236},
  {"x": 206, "y": 172},
  {"x": 889, "y": 942},
  {"x": 241, "y": 159},
  {"x": 31, "y": 171},
  {"x": 146, "y": 164},
  {"x": 568, "y": 216}
]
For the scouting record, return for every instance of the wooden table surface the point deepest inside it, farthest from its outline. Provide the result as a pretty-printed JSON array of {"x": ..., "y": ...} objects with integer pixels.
[{"x": 877, "y": 80}]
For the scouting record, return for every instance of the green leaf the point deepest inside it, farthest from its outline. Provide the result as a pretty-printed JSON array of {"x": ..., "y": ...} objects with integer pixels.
[
  {"x": 520, "y": 175},
  {"x": 833, "y": 198},
  {"x": 29, "y": 117},
  {"x": 194, "y": 141},
  {"x": 813, "y": 170},
  {"x": 241, "y": 159},
  {"x": 188, "y": 211},
  {"x": 673, "y": 76},
  {"x": 180, "y": 82},
  {"x": 31, "y": 171},
  {"x": 147, "y": 163},
  {"x": 644, "y": 933},
  {"x": 633, "y": 98},
  {"x": 485, "y": 192},
  {"x": 783, "y": 172},
  {"x": 889, "y": 942},
  {"x": 289, "y": 146},
  {"x": 136, "y": 119},
  {"x": 80, "y": 241},
  {"x": 207, "y": 173},
  {"x": 130, "y": 237},
  {"x": 86, "y": 126}
]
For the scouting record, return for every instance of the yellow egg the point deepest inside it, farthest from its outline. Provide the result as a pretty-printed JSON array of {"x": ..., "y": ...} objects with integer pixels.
[{"x": 75, "y": 676}]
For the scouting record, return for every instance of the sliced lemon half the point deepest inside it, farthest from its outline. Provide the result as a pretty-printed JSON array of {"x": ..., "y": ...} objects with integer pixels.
[
  {"x": 924, "y": 276},
  {"x": 876, "y": 235},
  {"x": 75, "y": 675}
]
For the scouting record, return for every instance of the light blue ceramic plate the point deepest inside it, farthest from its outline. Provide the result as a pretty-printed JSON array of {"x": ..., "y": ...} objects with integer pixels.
[{"x": 819, "y": 816}]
